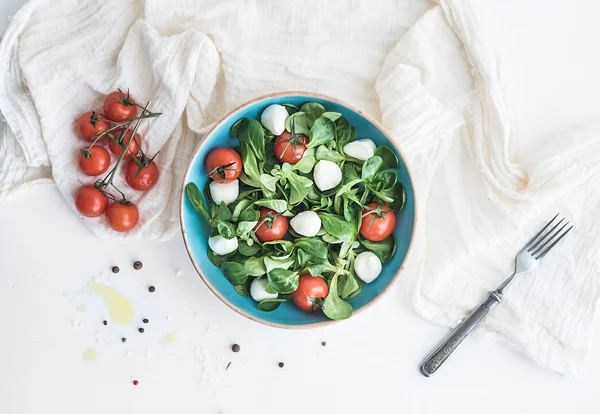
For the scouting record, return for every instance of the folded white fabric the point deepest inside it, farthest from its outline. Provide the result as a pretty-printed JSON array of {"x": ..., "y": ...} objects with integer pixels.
[
  {"x": 55, "y": 69},
  {"x": 435, "y": 87},
  {"x": 479, "y": 204}
]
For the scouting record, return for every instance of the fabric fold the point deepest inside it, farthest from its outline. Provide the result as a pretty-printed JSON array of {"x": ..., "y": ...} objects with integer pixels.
[{"x": 476, "y": 194}]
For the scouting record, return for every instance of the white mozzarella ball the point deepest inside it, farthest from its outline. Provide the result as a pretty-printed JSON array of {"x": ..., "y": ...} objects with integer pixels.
[
  {"x": 306, "y": 223},
  {"x": 367, "y": 266},
  {"x": 227, "y": 192},
  {"x": 222, "y": 246},
  {"x": 361, "y": 149},
  {"x": 273, "y": 118},
  {"x": 258, "y": 292},
  {"x": 327, "y": 175}
]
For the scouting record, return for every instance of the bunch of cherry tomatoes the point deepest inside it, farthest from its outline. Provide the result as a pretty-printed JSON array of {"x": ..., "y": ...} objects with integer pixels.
[{"x": 117, "y": 126}]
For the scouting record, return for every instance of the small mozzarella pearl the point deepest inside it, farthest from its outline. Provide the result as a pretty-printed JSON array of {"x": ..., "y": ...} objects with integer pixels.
[
  {"x": 367, "y": 266},
  {"x": 273, "y": 118},
  {"x": 327, "y": 175},
  {"x": 361, "y": 149},
  {"x": 227, "y": 192},
  {"x": 222, "y": 246},
  {"x": 306, "y": 223},
  {"x": 258, "y": 292}
]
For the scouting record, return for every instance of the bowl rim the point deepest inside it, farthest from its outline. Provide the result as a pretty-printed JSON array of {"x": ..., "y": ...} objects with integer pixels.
[{"x": 232, "y": 113}]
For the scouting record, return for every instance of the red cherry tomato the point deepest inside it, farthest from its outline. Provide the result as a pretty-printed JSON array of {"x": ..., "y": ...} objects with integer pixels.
[
  {"x": 94, "y": 161},
  {"x": 119, "y": 106},
  {"x": 91, "y": 123},
  {"x": 310, "y": 290},
  {"x": 223, "y": 164},
  {"x": 271, "y": 226},
  {"x": 378, "y": 222},
  {"x": 90, "y": 201},
  {"x": 134, "y": 145},
  {"x": 290, "y": 148},
  {"x": 122, "y": 217},
  {"x": 141, "y": 177}
]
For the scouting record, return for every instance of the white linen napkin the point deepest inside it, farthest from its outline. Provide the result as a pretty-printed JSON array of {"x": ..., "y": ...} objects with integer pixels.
[{"x": 422, "y": 69}]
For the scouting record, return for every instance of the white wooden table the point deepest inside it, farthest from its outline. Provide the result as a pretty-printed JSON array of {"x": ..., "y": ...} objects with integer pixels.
[{"x": 370, "y": 362}]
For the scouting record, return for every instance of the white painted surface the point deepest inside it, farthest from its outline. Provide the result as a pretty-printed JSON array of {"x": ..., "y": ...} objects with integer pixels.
[{"x": 370, "y": 361}]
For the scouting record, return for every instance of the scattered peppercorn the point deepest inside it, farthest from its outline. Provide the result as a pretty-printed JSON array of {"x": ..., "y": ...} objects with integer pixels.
[
  {"x": 235, "y": 348},
  {"x": 105, "y": 323},
  {"x": 135, "y": 382},
  {"x": 141, "y": 330},
  {"x": 137, "y": 265},
  {"x": 123, "y": 340},
  {"x": 115, "y": 269},
  {"x": 151, "y": 289},
  {"x": 323, "y": 343},
  {"x": 145, "y": 320},
  {"x": 281, "y": 364}
]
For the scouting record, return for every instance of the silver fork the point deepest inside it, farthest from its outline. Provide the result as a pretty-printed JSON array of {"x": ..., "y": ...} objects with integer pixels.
[{"x": 526, "y": 261}]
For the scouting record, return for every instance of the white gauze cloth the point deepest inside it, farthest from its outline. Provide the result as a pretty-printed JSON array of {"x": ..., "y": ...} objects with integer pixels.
[{"x": 422, "y": 68}]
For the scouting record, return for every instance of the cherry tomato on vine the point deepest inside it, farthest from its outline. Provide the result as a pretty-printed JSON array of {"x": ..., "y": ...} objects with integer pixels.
[
  {"x": 223, "y": 164},
  {"x": 122, "y": 217},
  {"x": 117, "y": 148},
  {"x": 290, "y": 148},
  {"x": 94, "y": 161},
  {"x": 90, "y": 201},
  {"x": 91, "y": 123},
  {"x": 119, "y": 106},
  {"x": 271, "y": 225},
  {"x": 141, "y": 177},
  {"x": 311, "y": 289},
  {"x": 378, "y": 222}
]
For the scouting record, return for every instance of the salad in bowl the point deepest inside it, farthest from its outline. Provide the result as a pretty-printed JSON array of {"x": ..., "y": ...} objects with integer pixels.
[{"x": 301, "y": 207}]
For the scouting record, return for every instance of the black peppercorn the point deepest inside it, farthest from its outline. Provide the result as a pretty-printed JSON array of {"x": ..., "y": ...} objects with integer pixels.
[
  {"x": 323, "y": 343},
  {"x": 141, "y": 330},
  {"x": 105, "y": 323},
  {"x": 123, "y": 340},
  {"x": 145, "y": 320},
  {"x": 281, "y": 364},
  {"x": 151, "y": 289},
  {"x": 235, "y": 348},
  {"x": 115, "y": 269},
  {"x": 137, "y": 265}
]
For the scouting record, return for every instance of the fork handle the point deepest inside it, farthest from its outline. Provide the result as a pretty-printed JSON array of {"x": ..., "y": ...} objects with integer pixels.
[{"x": 442, "y": 352}]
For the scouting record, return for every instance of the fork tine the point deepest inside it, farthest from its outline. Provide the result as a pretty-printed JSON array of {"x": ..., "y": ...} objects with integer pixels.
[
  {"x": 543, "y": 238},
  {"x": 541, "y": 255},
  {"x": 549, "y": 239},
  {"x": 541, "y": 231}
]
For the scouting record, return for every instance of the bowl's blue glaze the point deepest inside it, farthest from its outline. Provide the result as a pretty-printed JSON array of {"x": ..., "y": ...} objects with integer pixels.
[{"x": 196, "y": 230}]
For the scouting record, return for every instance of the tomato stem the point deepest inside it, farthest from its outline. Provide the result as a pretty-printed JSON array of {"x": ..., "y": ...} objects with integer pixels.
[
  {"x": 221, "y": 170},
  {"x": 108, "y": 179},
  {"x": 117, "y": 125}
]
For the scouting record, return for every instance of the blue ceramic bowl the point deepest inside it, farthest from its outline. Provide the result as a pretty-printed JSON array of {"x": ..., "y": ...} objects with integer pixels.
[{"x": 196, "y": 231}]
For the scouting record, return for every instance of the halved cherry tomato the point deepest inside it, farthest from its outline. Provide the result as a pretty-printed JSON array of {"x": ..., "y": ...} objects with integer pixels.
[
  {"x": 90, "y": 201},
  {"x": 378, "y": 222},
  {"x": 122, "y": 217},
  {"x": 290, "y": 148},
  {"x": 91, "y": 123},
  {"x": 119, "y": 106},
  {"x": 117, "y": 148},
  {"x": 311, "y": 290},
  {"x": 271, "y": 226},
  {"x": 141, "y": 177},
  {"x": 223, "y": 164},
  {"x": 94, "y": 161}
]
